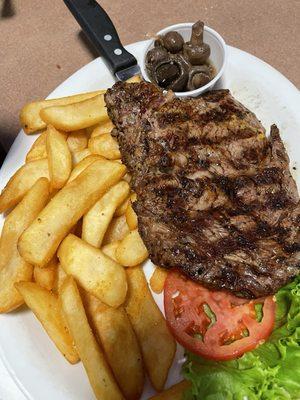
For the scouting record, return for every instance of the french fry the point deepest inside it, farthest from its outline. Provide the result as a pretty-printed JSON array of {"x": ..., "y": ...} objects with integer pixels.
[
  {"x": 46, "y": 277},
  {"x": 82, "y": 165},
  {"x": 72, "y": 117},
  {"x": 38, "y": 149},
  {"x": 21, "y": 182},
  {"x": 95, "y": 272},
  {"x": 105, "y": 145},
  {"x": 98, "y": 218},
  {"x": 80, "y": 155},
  {"x": 59, "y": 279},
  {"x": 30, "y": 115},
  {"x": 99, "y": 373},
  {"x": 12, "y": 267},
  {"x": 46, "y": 307},
  {"x": 77, "y": 140},
  {"x": 122, "y": 208},
  {"x": 157, "y": 280},
  {"x": 131, "y": 251},
  {"x": 110, "y": 250},
  {"x": 157, "y": 344},
  {"x": 38, "y": 244},
  {"x": 131, "y": 217},
  {"x": 117, "y": 230},
  {"x": 100, "y": 129},
  {"x": 114, "y": 330},
  {"x": 59, "y": 158},
  {"x": 134, "y": 79},
  {"x": 175, "y": 392}
]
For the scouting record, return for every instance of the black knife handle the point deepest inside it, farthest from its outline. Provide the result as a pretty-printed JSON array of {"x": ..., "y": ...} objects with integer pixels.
[{"x": 99, "y": 28}]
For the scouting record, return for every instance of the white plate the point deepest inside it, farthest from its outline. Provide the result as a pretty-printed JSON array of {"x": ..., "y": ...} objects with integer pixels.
[{"x": 32, "y": 360}]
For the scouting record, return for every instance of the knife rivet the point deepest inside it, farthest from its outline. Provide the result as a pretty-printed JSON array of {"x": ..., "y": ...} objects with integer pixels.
[
  {"x": 107, "y": 38},
  {"x": 118, "y": 52}
]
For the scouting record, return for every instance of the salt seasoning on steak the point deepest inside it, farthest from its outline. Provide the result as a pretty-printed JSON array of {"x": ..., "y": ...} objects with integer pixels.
[{"x": 215, "y": 197}]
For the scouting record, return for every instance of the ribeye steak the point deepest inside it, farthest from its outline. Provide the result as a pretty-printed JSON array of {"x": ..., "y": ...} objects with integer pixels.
[{"x": 215, "y": 197}]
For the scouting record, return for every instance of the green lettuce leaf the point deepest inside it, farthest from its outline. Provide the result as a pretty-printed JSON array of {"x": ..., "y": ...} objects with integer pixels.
[{"x": 270, "y": 372}]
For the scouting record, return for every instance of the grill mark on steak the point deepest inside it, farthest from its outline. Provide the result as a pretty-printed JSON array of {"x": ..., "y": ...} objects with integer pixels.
[{"x": 215, "y": 197}]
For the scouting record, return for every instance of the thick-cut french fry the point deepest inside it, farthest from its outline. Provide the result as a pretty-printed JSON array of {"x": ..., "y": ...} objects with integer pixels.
[
  {"x": 38, "y": 149},
  {"x": 60, "y": 277},
  {"x": 157, "y": 280},
  {"x": 122, "y": 208},
  {"x": 131, "y": 251},
  {"x": 131, "y": 217},
  {"x": 127, "y": 177},
  {"x": 12, "y": 267},
  {"x": 100, "y": 129},
  {"x": 99, "y": 373},
  {"x": 117, "y": 230},
  {"x": 157, "y": 344},
  {"x": 175, "y": 392},
  {"x": 59, "y": 158},
  {"x": 95, "y": 272},
  {"x": 39, "y": 242},
  {"x": 110, "y": 249},
  {"x": 77, "y": 140},
  {"x": 105, "y": 145},
  {"x": 46, "y": 307},
  {"x": 114, "y": 330},
  {"x": 30, "y": 115},
  {"x": 82, "y": 165},
  {"x": 21, "y": 182},
  {"x": 46, "y": 277},
  {"x": 76, "y": 116},
  {"x": 97, "y": 219},
  {"x": 80, "y": 155}
]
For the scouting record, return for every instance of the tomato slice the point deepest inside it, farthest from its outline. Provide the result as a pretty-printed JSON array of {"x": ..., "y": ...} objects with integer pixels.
[{"x": 215, "y": 324}]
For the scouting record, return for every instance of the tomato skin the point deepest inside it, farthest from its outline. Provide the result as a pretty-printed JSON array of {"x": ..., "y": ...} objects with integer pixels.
[{"x": 184, "y": 302}]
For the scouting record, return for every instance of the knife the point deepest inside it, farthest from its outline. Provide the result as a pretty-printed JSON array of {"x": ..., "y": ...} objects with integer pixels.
[{"x": 102, "y": 33}]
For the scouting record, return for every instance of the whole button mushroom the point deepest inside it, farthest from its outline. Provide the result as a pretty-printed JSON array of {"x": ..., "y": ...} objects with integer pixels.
[
  {"x": 156, "y": 55},
  {"x": 198, "y": 77},
  {"x": 171, "y": 73},
  {"x": 173, "y": 42},
  {"x": 195, "y": 51}
]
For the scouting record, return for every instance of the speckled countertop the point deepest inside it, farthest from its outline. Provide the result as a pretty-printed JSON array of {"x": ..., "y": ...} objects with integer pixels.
[{"x": 41, "y": 43}]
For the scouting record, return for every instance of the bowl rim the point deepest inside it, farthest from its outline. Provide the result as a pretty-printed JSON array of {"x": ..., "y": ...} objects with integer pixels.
[{"x": 211, "y": 83}]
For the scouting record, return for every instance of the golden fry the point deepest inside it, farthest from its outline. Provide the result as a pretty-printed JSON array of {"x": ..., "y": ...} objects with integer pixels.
[
  {"x": 77, "y": 140},
  {"x": 59, "y": 158},
  {"x": 117, "y": 230},
  {"x": 175, "y": 392},
  {"x": 157, "y": 280},
  {"x": 157, "y": 344},
  {"x": 39, "y": 242},
  {"x": 12, "y": 266},
  {"x": 21, "y": 182},
  {"x": 82, "y": 165},
  {"x": 122, "y": 208},
  {"x": 99, "y": 373},
  {"x": 30, "y": 115},
  {"x": 105, "y": 145},
  {"x": 98, "y": 218},
  {"x": 95, "y": 272},
  {"x": 100, "y": 129},
  {"x": 131, "y": 251},
  {"x": 38, "y": 149},
  {"x": 59, "y": 279},
  {"x": 46, "y": 307},
  {"x": 46, "y": 277},
  {"x": 131, "y": 217},
  {"x": 114, "y": 330},
  {"x": 80, "y": 155},
  {"x": 72, "y": 117},
  {"x": 110, "y": 250}
]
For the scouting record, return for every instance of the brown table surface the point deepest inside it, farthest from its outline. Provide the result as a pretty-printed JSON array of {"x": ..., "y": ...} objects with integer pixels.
[{"x": 41, "y": 44}]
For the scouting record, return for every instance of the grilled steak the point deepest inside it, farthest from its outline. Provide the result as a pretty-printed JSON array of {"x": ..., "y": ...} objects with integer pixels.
[{"x": 215, "y": 197}]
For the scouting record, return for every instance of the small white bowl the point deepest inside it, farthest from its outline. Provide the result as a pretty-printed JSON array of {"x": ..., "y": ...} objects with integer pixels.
[{"x": 217, "y": 57}]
